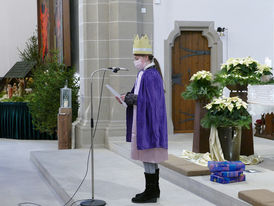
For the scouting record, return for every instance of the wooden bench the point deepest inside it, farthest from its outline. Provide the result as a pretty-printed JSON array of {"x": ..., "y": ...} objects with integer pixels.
[{"x": 185, "y": 167}]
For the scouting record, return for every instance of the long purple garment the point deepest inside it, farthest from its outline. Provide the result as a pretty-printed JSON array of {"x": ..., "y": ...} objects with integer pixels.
[{"x": 151, "y": 113}]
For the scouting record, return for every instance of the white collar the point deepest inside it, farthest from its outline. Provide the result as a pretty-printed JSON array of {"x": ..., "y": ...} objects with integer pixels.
[{"x": 149, "y": 65}]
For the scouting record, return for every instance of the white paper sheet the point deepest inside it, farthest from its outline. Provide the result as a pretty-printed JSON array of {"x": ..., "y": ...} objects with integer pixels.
[{"x": 116, "y": 94}]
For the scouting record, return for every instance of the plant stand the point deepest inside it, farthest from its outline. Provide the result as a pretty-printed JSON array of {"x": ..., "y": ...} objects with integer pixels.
[
  {"x": 247, "y": 144},
  {"x": 201, "y": 135},
  {"x": 64, "y": 128}
]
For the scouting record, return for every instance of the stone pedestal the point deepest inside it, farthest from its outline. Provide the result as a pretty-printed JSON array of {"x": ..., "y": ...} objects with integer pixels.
[{"x": 64, "y": 128}]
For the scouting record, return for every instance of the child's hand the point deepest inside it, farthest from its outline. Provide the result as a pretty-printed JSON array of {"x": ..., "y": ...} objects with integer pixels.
[
  {"x": 122, "y": 97},
  {"x": 117, "y": 98}
]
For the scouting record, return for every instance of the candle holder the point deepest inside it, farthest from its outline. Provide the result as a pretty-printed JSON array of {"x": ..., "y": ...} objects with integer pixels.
[{"x": 65, "y": 97}]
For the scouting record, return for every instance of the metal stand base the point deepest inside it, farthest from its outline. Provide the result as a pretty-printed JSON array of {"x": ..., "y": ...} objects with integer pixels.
[{"x": 93, "y": 202}]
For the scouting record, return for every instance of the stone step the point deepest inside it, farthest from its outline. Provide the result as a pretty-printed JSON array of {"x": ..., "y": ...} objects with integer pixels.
[
  {"x": 117, "y": 179},
  {"x": 218, "y": 194}
]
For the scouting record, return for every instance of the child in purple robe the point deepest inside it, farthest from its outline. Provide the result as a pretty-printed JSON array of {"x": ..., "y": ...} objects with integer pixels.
[{"x": 146, "y": 119}]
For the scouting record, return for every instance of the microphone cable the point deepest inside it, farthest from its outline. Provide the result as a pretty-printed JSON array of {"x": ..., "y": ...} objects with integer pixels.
[
  {"x": 93, "y": 135},
  {"x": 87, "y": 164}
]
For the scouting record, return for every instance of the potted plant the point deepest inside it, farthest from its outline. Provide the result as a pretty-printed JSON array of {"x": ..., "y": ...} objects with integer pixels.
[
  {"x": 201, "y": 87},
  {"x": 237, "y": 73},
  {"x": 202, "y": 90},
  {"x": 228, "y": 115}
]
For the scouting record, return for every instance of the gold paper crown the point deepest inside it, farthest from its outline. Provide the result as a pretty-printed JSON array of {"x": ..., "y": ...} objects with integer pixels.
[{"x": 142, "y": 46}]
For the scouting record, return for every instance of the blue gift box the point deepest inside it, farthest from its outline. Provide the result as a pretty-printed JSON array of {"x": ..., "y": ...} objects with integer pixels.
[
  {"x": 229, "y": 173},
  {"x": 226, "y": 180},
  {"x": 215, "y": 166}
]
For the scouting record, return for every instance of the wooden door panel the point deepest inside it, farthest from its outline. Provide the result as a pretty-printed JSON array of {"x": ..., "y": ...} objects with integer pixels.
[{"x": 189, "y": 55}]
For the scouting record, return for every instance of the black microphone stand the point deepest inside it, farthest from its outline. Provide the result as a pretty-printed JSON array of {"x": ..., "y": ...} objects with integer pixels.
[{"x": 92, "y": 201}]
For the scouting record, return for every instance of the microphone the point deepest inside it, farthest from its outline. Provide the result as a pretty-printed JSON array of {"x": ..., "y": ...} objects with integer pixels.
[{"x": 116, "y": 69}]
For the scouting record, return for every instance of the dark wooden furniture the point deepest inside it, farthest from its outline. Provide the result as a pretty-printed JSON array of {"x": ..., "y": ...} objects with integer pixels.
[
  {"x": 266, "y": 128},
  {"x": 64, "y": 128},
  {"x": 201, "y": 135}
]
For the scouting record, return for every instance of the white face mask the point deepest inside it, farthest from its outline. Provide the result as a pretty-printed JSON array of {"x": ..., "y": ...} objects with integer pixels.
[{"x": 138, "y": 64}]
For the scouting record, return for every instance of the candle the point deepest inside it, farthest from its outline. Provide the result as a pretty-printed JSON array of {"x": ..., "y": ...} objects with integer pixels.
[{"x": 65, "y": 103}]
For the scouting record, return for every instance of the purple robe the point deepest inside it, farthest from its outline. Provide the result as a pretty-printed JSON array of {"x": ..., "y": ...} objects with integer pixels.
[{"x": 151, "y": 113}]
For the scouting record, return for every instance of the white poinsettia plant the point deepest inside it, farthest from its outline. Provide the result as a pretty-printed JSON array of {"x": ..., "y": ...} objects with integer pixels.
[
  {"x": 242, "y": 71},
  {"x": 229, "y": 103},
  {"x": 235, "y": 63},
  {"x": 201, "y": 87},
  {"x": 226, "y": 111},
  {"x": 263, "y": 68},
  {"x": 202, "y": 75}
]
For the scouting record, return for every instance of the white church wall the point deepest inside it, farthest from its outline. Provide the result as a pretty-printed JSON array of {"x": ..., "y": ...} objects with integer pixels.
[
  {"x": 18, "y": 20},
  {"x": 249, "y": 22},
  {"x": 3, "y": 41},
  {"x": 273, "y": 37}
]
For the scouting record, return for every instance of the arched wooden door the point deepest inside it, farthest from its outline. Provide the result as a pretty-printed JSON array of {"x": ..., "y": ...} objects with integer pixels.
[{"x": 189, "y": 55}]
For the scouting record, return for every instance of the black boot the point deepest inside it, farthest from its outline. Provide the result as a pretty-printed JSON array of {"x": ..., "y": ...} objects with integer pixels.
[
  {"x": 150, "y": 193},
  {"x": 157, "y": 185}
]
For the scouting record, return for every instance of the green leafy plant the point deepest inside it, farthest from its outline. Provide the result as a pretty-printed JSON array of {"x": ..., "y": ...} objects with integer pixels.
[
  {"x": 44, "y": 103},
  {"x": 32, "y": 56},
  {"x": 242, "y": 71},
  {"x": 201, "y": 87},
  {"x": 31, "y": 52},
  {"x": 226, "y": 112}
]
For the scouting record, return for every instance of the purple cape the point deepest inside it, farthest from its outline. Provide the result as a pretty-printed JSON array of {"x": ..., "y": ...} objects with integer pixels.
[{"x": 151, "y": 113}]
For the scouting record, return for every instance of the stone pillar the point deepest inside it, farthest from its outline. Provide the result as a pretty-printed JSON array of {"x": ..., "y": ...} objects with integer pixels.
[
  {"x": 106, "y": 32},
  {"x": 126, "y": 20}
]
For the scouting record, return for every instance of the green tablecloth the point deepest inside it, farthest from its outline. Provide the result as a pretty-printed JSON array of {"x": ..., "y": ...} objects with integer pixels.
[{"x": 16, "y": 122}]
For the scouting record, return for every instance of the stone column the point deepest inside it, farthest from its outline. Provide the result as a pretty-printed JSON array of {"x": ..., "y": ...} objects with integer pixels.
[
  {"x": 126, "y": 20},
  {"x": 106, "y": 32}
]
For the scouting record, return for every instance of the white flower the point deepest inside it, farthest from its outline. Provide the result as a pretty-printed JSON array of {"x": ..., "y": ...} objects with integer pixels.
[
  {"x": 234, "y": 63},
  {"x": 208, "y": 106},
  {"x": 202, "y": 75},
  {"x": 230, "y": 107},
  {"x": 223, "y": 65},
  {"x": 263, "y": 68},
  {"x": 227, "y": 102}
]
